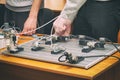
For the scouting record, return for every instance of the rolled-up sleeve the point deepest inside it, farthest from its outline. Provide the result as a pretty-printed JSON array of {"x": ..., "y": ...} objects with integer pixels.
[{"x": 71, "y": 8}]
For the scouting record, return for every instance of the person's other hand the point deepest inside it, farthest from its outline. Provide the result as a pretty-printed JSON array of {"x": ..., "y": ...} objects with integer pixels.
[
  {"x": 62, "y": 26},
  {"x": 29, "y": 26}
]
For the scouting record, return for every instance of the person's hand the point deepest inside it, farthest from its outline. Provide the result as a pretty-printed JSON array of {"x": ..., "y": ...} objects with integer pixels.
[
  {"x": 62, "y": 26},
  {"x": 30, "y": 26}
]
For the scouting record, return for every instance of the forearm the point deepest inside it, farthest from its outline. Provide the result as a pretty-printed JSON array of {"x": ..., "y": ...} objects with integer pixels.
[
  {"x": 35, "y": 8},
  {"x": 71, "y": 8},
  {"x": 30, "y": 23}
]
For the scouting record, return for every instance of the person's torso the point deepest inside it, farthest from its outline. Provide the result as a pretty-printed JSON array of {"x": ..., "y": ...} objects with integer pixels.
[{"x": 19, "y": 5}]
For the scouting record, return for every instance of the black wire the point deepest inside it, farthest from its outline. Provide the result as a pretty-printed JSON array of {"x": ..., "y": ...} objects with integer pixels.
[
  {"x": 113, "y": 44},
  {"x": 90, "y": 38},
  {"x": 116, "y": 57},
  {"x": 101, "y": 56},
  {"x": 59, "y": 59}
]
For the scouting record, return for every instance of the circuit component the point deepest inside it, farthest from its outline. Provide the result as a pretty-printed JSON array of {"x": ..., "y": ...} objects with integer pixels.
[
  {"x": 37, "y": 46},
  {"x": 70, "y": 59},
  {"x": 90, "y": 43},
  {"x": 10, "y": 39},
  {"x": 57, "y": 50}
]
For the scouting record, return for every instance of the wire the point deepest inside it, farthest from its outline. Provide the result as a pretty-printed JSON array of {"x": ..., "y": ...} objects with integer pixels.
[
  {"x": 40, "y": 26},
  {"x": 90, "y": 38},
  {"x": 59, "y": 59},
  {"x": 51, "y": 37},
  {"x": 101, "y": 56},
  {"x": 113, "y": 45},
  {"x": 17, "y": 29},
  {"x": 2, "y": 27},
  {"x": 64, "y": 55}
]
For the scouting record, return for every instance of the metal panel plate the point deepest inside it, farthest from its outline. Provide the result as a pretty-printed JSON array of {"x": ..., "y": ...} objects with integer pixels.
[{"x": 71, "y": 46}]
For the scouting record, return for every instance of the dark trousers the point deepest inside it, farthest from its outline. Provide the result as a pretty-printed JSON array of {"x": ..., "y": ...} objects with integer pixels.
[
  {"x": 1, "y": 14},
  {"x": 98, "y": 19},
  {"x": 18, "y": 18}
]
